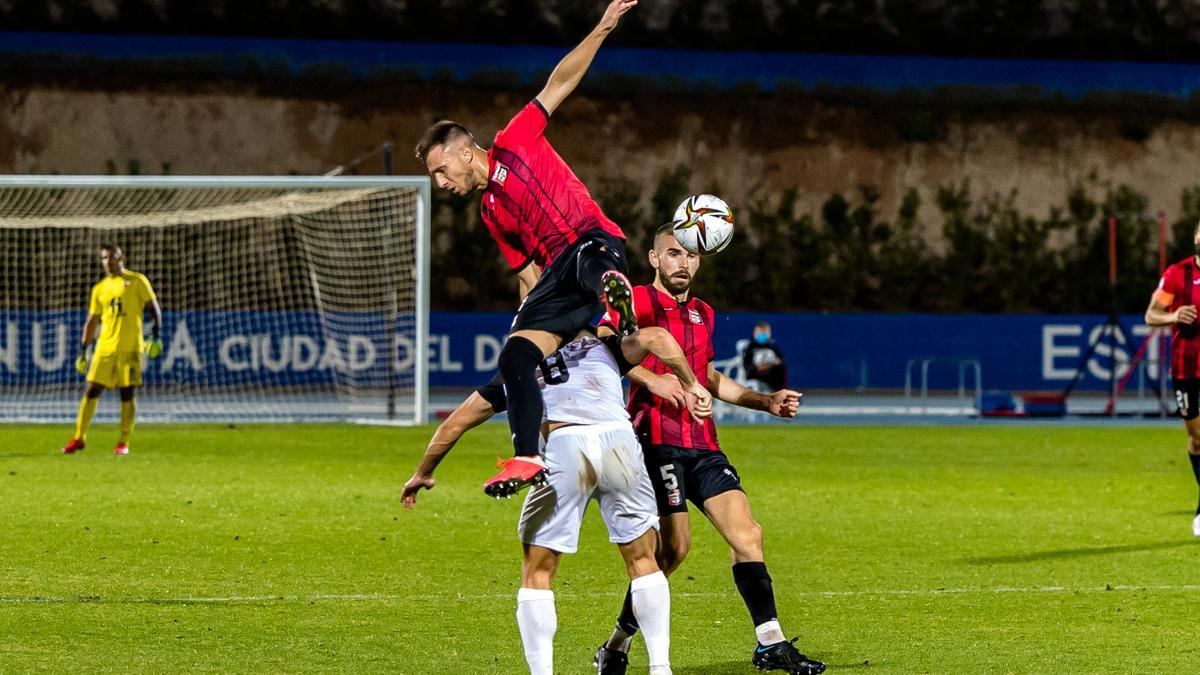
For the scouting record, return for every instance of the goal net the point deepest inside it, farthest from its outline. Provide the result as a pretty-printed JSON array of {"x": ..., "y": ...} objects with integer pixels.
[{"x": 283, "y": 299}]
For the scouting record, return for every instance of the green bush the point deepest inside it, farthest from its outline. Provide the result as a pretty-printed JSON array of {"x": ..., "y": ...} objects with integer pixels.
[{"x": 983, "y": 255}]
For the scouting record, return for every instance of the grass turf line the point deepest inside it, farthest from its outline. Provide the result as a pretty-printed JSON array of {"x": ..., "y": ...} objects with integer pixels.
[{"x": 285, "y": 548}]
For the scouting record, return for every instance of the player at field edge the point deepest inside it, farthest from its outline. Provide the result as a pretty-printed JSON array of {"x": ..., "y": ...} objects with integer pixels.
[
  {"x": 592, "y": 453},
  {"x": 116, "y": 306},
  {"x": 685, "y": 461},
  {"x": 568, "y": 256},
  {"x": 1174, "y": 304}
]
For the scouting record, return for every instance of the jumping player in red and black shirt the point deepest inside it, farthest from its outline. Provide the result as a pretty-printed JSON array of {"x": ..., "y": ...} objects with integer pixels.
[
  {"x": 686, "y": 463},
  {"x": 1174, "y": 304},
  {"x": 568, "y": 256}
]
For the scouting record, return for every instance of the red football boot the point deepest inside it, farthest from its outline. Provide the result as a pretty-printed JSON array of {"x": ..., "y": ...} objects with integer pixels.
[
  {"x": 73, "y": 446},
  {"x": 121, "y": 449},
  {"x": 515, "y": 475}
]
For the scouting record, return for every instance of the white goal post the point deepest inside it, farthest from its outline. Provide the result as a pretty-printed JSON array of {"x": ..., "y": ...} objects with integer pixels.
[{"x": 284, "y": 298}]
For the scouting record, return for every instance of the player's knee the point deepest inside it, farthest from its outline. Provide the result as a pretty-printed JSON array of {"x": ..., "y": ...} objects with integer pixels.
[
  {"x": 1194, "y": 443},
  {"x": 673, "y": 553},
  {"x": 518, "y": 358},
  {"x": 641, "y": 564},
  {"x": 747, "y": 545},
  {"x": 127, "y": 394},
  {"x": 93, "y": 391},
  {"x": 538, "y": 571}
]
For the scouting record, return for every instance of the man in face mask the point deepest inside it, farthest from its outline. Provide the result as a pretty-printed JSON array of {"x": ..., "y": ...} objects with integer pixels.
[{"x": 762, "y": 359}]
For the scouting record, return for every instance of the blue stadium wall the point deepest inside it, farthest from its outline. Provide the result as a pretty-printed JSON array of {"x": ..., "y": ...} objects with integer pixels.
[
  {"x": 823, "y": 351},
  {"x": 528, "y": 65}
]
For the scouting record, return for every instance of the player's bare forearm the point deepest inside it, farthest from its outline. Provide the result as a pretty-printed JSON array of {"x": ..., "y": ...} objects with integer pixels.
[
  {"x": 527, "y": 278},
  {"x": 640, "y": 375},
  {"x": 570, "y": 70},
  {"x": 1158, "y": 315},
  {"x": 729, "y": 391},
  {"x": 660, "y": 343},
  {"x": 472, "y": 412}
]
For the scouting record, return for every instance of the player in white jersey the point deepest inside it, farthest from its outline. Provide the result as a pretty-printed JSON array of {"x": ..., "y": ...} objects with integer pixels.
[{"x": 591, "y": 453}]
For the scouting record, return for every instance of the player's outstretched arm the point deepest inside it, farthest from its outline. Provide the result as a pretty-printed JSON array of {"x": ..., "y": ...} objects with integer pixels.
[
  {"x": 783, "y": 403},
  {"x": 472, "y": 412},
  {"x": 660, "y": 343},
  {"x": 570, "y": 70}
]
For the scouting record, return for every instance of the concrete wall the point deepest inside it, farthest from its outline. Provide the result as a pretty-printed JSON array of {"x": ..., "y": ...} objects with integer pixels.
[{"x": 746, "y": 146}]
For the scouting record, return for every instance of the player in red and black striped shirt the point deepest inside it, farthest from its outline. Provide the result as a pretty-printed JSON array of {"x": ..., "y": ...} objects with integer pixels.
[
  {"x": 568, "y": 256},
  {"x": 1174, "y": 304},
  {"x": 685, "y": 460}
]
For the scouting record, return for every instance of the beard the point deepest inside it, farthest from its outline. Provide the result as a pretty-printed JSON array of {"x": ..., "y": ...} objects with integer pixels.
[
  {"x": 675, "y": 286},
  {"x": 1197, "y": 249}
]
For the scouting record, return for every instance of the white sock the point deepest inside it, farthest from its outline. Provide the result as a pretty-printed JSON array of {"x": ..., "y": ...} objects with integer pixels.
[
  {"x": 769, "y": 633},
  {"x": 652, "y": 608},
  {"x": 538, "y": 621}
]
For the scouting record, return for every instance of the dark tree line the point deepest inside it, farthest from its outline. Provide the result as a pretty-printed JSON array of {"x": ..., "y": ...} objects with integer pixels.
[{"x": 980, "y": 255}]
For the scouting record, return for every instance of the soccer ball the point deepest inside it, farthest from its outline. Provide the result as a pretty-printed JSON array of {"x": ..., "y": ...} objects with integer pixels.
[{"x": 703, "y": 224}]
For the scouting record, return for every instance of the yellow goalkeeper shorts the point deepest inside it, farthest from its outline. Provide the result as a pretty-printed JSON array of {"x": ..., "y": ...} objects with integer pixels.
[{"x": 116, "y": 371}]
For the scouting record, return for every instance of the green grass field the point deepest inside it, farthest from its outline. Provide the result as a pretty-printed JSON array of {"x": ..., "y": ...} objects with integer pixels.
[{"x": 285, "y": 548}]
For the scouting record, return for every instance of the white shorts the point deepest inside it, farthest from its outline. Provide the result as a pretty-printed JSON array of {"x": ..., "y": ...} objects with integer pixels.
[{"x": 596, "y": 461}]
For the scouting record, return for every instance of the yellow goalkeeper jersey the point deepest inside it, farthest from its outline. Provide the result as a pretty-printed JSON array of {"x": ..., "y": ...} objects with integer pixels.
[{"x": 119, "y": 302}]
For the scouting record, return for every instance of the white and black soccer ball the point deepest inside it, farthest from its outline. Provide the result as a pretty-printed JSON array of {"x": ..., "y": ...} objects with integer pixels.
[{"x": 703, "y": 224}]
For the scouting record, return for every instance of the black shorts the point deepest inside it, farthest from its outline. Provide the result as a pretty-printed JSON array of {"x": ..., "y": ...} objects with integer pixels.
[
  {"x": 559, "y": 302},
  {"x": 683, "y": 474},
  {"x": 1187, "y": 391}
]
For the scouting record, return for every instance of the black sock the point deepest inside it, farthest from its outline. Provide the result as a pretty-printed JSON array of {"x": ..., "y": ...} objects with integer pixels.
[
  {"x": 592, "y": 265},
  {"x": 754, "y": 584},
  {"x": 627, "y": 621},
  {"x": 1196, "y": 471},
  {"x": 519, "y": 359}
]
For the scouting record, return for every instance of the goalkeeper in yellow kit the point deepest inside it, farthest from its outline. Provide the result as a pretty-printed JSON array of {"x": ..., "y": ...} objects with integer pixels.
[{"x": 116, "y": 307}]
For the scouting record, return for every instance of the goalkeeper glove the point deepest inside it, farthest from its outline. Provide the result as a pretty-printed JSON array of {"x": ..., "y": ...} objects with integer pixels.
[
  {"x": 81, "y": 363},
  {"x": 154, "y": 346}
]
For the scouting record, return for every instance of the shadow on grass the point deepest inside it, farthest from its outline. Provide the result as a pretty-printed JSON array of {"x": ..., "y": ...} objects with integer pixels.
[
  {"x": 742, "y": 667},
  {"x": 1065, "y": 553}
]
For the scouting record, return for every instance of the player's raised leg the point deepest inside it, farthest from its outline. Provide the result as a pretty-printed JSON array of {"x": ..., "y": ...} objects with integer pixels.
[
  {"x": 518, "y": 362},
  {"x": 600, "y": 268},
  {"x": 730, "y": 514}
]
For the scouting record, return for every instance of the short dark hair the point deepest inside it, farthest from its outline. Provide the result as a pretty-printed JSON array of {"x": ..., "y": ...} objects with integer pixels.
[
  {"x": 110, "y": 247},
  {"x": 440, "y": 133},
  {"x": 665, "y": 228},
  {"x": 762, "y": 324}
]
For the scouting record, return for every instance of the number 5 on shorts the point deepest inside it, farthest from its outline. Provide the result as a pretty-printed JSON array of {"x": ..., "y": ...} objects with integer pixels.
[
  {"x": 671, "y": 483},
  {"x": 669, "y": 479}
]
